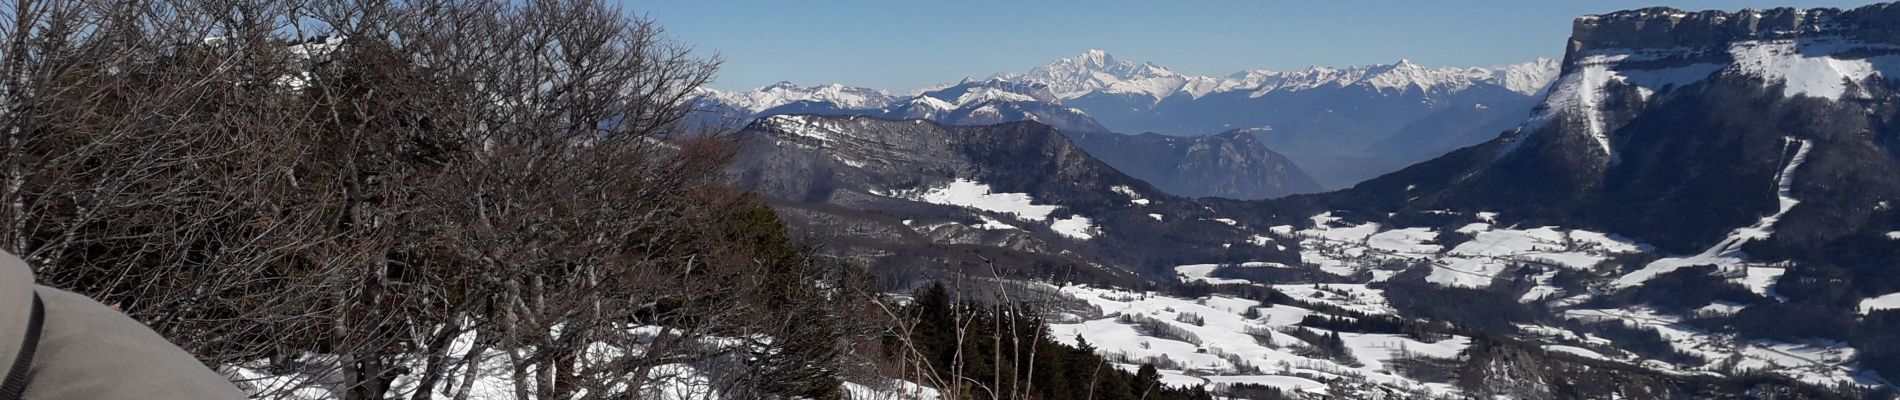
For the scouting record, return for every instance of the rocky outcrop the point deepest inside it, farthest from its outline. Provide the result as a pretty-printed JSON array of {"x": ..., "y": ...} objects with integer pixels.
[
  {"x": 1682, "y": 153},
  {"x": 1669, "y": 28}
]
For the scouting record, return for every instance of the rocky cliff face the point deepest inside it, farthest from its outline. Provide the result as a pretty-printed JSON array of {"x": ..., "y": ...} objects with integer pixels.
[
  {"x": 1669, "y": 28},
  {"x": 1749, "y": 141},
  {"x": 1679, "y": 127}
]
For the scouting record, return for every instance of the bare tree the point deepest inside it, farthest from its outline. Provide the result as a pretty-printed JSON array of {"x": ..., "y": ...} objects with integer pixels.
[{"x": 377, "y": 180}]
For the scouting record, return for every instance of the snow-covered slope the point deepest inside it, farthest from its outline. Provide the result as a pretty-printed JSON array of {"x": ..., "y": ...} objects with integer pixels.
[
  {"x": 1097, "y": 71},
  {"x": 783, "y": 93}
]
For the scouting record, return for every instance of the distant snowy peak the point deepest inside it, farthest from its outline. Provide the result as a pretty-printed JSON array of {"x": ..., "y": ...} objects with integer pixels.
[
  {"x": 783, "y": 93},
  {"x": 1097, "y": 72},
  {"x": 1093, "y": 70},
  {"x": 973, "y": 92},
  {"x": 1528, "y": 77},
  {"x": 1405, "y": 76}
]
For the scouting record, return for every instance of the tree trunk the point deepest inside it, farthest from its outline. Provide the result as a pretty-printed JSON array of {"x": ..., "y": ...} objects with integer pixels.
[
  {"x": 438, "y": 358},
  {"x": 472, "y": 365}
]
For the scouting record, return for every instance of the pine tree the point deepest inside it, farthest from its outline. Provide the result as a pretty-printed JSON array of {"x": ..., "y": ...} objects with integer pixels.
[{"x": 1147, "y": 381}]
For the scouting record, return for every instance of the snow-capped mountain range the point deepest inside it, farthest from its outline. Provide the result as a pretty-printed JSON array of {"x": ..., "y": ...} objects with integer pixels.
[
  {"x": 1097, "y": 71},
  {"x": 1343, "y": 125},
  {"x": 782, "y": 93}
]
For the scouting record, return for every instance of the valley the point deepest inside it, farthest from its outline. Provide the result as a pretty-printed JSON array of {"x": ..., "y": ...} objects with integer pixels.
[
  {"x": 612, "y": 199},
  {"x": 1659, "y": 208}
]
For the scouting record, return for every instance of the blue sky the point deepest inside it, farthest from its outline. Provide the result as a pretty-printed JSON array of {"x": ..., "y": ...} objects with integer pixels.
[{"x": 902, "y": 45}]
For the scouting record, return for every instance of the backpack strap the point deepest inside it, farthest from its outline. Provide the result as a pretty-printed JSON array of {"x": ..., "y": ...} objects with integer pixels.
[{"x": 15, "y": 384}]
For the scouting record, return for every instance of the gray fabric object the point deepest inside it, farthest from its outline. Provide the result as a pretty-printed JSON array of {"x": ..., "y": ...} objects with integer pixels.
[{"x": 90, "y": 351}]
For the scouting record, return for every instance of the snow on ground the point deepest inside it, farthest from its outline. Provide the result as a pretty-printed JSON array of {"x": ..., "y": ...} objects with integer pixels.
[
  {"x": 1888, "y": 301},
  {"x": 994, "y": 224},
  {"x": 1573, "y": 350},
  {"x": 1475, "y": 263},
  {"x": 1544, "y": 290},
  {"x": 317, "y": 376},
  {"x": 1809, "y": 67},
  {"x": 1228, "y": 221},
  {"x": 1130, "y": 192},
  {"x": 1728, "y": 253},
  {"x": 1761, "y": 279},
  {"x": 1169, "y": 377},
  {"x": 1895, "y": 235},
  {"x": 1406, "y": 241},
  {"x": 1157, "y": 217},
  {"x": 1199, "y": 272},
  {"x": 1580, "y": 92},
  {"x": 891, "y": 390},
  {"x": 1074, "y": 227},
  {"x": 1264, "y": 241},
  {"x": 1607, "y": 242},
  {"x": 1378, "y": 349},
  {"x": 815, "y": 128},
  {"x": 1804, "y": 67},
  {"x": 1355, "y": 297},
  {"x": 1345, "y": 234},
  {"x": 1719, "y": 307},
  {"x": 1817, "y": 363},
  {"x": 1342, "y": 248},
  {"x": 1320, "y": 221},
  {"x": 979, "y": 196},
  {"x": 1226, "y": 347},
  {"x": 1283, "y": 382},
  {"x": 972, "y": 194}
]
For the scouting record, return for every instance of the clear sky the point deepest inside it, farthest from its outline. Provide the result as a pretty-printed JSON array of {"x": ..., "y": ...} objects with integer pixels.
[{"x": 904, "y": 44}]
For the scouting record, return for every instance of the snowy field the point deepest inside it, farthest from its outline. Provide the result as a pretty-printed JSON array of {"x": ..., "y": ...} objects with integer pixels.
[
  {"x": 317, "y": 377},
  {"x": 979, "y": 197},
  {"x": 1824, "y": 363},
  {"x": 1229, "y": 340},
  {"x": 1370, "y": 251}
]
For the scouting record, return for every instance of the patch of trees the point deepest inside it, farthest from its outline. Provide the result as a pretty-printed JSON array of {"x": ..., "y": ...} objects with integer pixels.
[
  {"x": 1878, "y": 339},
  {"x": 1643, "y": 341},
  {"x": 1479, "y": 309},
  {"x": 1151, "y": 326},
  {"x": 1256, "y": 392},
  {"x": 1199, "y": 289},
  {"x": 1001, "y": 350},
  {"x": 510, "y": 173},
  {"x": 1688, "y": 288},
  {"x": 1425, "y": 368},
  {"x": 1384, "y": 324},
  {"x": 1499, "y": 367},
  {"x": 1325, "y": 345},
  {"x": 1277, "y": 275}
]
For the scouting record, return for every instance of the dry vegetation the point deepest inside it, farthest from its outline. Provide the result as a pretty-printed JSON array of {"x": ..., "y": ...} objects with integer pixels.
[{"x": 264, "y": 180}]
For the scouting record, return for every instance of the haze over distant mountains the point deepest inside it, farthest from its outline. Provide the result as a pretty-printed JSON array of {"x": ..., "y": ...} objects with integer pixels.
[{"x": 1338, "y": 125}]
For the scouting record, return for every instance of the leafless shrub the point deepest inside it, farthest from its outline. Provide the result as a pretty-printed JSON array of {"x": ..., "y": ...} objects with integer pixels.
[{"x": 259, "y": 180}]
